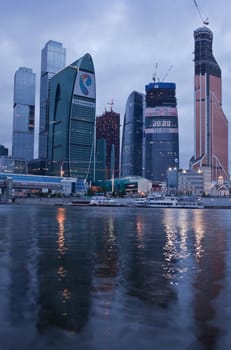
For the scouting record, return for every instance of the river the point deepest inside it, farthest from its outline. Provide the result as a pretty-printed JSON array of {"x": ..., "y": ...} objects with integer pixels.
[{"x": 114, "y": 278}]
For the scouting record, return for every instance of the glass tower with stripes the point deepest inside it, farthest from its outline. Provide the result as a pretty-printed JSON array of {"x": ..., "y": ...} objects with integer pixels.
[
  {"x": 24, "y": 114},
  {"x": 72, "y": 120},
  {"x": 53, "y": 59}
]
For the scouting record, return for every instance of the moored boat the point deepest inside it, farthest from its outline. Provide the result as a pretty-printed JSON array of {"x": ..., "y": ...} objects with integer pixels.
[
  {"x": 161, "y": 201},
  {"x": 190, "y": 202},
  {"x": 103, "y": 201}
]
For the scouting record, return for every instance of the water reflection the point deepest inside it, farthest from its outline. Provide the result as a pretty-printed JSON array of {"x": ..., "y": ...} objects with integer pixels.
[
  {"x": 115, "y": 278},
  {"x": 176, "y": 250},
  {"x": 208, "y": 280},
  {"x": 61, "y": 215},
  {"x": 65, "y": 300},
  {"x": 143, "y": 271},
  {"x": 199, "y": 229}
]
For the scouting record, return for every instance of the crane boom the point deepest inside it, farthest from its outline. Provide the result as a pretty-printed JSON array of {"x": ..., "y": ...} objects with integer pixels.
[
  {"x": 206, "y": 22},
  {"x": 155, "y": 73},
  {"x": 166, "y": 74}
]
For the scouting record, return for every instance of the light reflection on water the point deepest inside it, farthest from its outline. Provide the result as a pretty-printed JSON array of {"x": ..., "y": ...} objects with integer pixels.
[{"x": 115, "y": 278}]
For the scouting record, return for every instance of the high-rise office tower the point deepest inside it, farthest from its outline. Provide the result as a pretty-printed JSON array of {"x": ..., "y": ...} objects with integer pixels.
[
  {"x": 161, "y": 130},
  {"x": 107, "y": 145},
  {"x": 53, "y": 59},
  {"x": 211, "y": 125},
  {"x": 132, "y": 137},
  {"x": 72, "y": 120},
  {"x": 3, "y": 151},
  {"x": 24, "y": 114}
]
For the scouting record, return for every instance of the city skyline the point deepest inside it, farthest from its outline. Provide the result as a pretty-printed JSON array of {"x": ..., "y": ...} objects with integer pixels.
[{"x": 126, "y": 41}]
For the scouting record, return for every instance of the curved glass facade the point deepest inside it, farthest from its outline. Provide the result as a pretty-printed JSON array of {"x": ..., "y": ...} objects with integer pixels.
[
  {"x": 72, "y": 120},
  {"x": 132, "y": 139}
]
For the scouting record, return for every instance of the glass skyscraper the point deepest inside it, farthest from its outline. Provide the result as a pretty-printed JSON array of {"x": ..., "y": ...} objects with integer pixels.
[
  {"x": 132, "y": 137},
  {"x": 72, "y": 120},
  {"x": 211, "y": 124},
  {"x": 24, "y": 114},
  {"x": 53, "y": 59},
  {"x": 161, "y": 130}
]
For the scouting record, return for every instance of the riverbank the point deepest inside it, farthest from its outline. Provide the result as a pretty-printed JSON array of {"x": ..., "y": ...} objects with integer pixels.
[{"x": 210, "y": 202}]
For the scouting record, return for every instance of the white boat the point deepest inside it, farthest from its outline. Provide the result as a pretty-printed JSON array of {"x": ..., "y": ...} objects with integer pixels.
[
  {"x": 161, "y": 201},
  {"x": 103, "y": 201},
  {"x": 164, "y": 201},
  {"x": 138, "y": 202},
  {"x": 190, "y": 202}
]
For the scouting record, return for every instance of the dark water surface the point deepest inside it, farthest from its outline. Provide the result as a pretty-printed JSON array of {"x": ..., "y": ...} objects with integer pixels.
[{"x": 114, "y": 278}]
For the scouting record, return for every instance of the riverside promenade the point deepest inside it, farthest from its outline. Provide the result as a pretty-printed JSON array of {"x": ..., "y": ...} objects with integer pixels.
[{"x": 209, "y": 202}]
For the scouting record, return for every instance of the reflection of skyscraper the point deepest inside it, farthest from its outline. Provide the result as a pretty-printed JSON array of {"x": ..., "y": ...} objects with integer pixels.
[
  {"x": 24, "y": 114},
  {"x": 72, "y": 119},
  {"x": 211, "y": 125},
  {"x": 107, "y": 145},
  {"x": 132, "y": 140},
  {"x": 53, "y": 59},
  {"x": 161, "y": 130}
]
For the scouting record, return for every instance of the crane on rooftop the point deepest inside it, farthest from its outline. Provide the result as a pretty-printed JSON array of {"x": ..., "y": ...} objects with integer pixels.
[
  {"x": 204, "y": 21},
  {"x": 154, "y": 77},
  {"x": 166, "y": 74}
]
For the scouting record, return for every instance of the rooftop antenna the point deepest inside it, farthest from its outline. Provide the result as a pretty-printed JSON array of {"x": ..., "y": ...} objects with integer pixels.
[{"x": 204, "y": 21}]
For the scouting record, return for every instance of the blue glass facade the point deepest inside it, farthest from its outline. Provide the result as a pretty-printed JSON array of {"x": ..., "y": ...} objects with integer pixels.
[
  {"x": 24, "y": 114},
  {"x": 53, "y": 59},
  {"x": 72, "y": 120},
  {"x": 161, "y": 131},
  {"x": 132, "y": 139}
]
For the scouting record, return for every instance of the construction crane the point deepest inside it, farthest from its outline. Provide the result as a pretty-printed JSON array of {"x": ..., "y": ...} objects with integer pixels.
[
  {"x": 111, "y": 103},
  {"x": 166, "y": 74},
  {"x": 204, "y": 21},
  {"x": 154, "y": 77}
]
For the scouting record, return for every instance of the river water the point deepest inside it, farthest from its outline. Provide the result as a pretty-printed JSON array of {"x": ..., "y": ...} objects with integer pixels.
[{"x": 114, "y": 278}]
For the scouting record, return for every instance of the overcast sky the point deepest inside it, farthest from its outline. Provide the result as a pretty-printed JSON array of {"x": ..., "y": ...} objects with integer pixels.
[{"x": 126, "y": 38}]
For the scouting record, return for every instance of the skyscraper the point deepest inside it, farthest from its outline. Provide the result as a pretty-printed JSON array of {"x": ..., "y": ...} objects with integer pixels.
[
  {"x": 107, "y": 145},
  {"x": 211, "y": 125},
  {"x": 72, "y": 120},
  {"x": 132, "y": 137},
  {"x": 161, "y": 130},
  {"x": 53, "y": 59},
  {"x": 24, "y": 114}
]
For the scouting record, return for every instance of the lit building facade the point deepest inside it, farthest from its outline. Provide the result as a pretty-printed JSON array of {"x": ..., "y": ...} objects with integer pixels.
[
  {"x": 211, "y": 124},
  {"x": 24, "y": 114},
  {"x": 53, "y": 59},
  {"x": 132, "y": 150},
  {"x": 72, "y": 120},
  {"x": 191, "y": 182},
  {"x": 107, "y": 145},
  {"x": 161, "y": 130}
]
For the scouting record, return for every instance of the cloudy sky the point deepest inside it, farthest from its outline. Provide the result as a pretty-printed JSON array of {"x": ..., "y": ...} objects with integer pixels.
[{"x": 126, "y": 38}]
